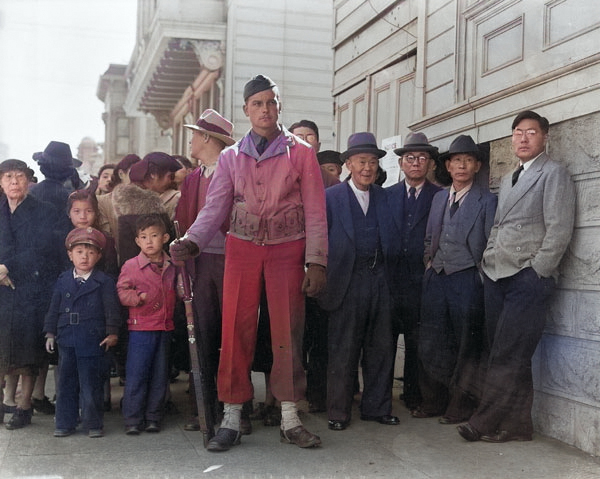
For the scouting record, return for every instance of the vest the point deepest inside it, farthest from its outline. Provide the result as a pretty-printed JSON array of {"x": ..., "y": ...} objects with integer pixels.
[{"x": 453, "y": 254}]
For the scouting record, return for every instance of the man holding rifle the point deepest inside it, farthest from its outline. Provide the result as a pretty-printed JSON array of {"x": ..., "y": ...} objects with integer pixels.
[
  {"x": 211, "y": 134},
  {"x": 272, "y": 185}
]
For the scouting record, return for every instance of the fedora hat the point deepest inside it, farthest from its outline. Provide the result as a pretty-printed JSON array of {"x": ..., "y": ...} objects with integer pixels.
[
  {"x": 57, "y": 154},
  {"x": 363, "y": 142},
  {"x": 329, "y": 156},
  {"x": 461, "y": 144},
  {"x": 417, "y": 142},
  {"x": 213, "y": 124}
]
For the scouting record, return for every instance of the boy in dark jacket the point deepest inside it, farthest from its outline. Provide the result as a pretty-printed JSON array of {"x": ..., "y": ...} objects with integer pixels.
[{"x": 83, "y": 320}]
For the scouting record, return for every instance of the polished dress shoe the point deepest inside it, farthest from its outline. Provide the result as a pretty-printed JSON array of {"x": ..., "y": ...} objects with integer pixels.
[
  {"x": 223, "y": 440},
  {"x": 152, "y": 426},
  {"x": 505, "y": 436},
  {"x": 387, "y": 419},
  {"x": 337, "y": 425},
  {"x": 420, "y": 413},
  {"x": 300, "y": 437},
  {"x": 468, "y": 432}
]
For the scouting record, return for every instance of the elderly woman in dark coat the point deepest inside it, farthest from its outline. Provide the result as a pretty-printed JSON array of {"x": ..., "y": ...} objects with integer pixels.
[{"x": 29, "y": 266}]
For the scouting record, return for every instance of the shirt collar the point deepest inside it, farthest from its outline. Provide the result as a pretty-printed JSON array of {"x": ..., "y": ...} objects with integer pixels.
[
  {"x": 84, "y": 276},
  {"x": 528, "y": 164},
  {"x": 459, "y": 194}
]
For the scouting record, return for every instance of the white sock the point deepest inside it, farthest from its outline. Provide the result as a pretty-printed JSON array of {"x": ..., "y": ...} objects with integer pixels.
[
  {"x": 289, "y": 415},
  {"x": 231, "y": 416}
]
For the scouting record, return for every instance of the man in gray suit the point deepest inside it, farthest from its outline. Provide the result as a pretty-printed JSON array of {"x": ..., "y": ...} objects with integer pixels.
[
  {"x": 532, "y": 229},
  {"x": 458, "y": 228}
]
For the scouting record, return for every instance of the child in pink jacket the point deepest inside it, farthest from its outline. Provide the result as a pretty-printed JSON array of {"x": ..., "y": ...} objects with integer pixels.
[{"x": 147, "y": 286}]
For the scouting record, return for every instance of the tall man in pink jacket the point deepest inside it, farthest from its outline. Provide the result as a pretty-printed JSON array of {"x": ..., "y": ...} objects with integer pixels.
[{"x": 271, "y": 183}]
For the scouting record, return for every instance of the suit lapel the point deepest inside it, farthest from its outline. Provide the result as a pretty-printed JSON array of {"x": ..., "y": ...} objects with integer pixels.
[
  {"x": 470, "y": 207},
  {"x": 515, "y": 193},
  {"x": 400, "y": 193},
  {"x": 343, "y": 208},
  {"x": 422, "y": 201}
]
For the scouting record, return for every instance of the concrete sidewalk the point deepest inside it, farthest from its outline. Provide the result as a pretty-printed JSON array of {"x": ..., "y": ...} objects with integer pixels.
[{"x": 418, "y": 448}]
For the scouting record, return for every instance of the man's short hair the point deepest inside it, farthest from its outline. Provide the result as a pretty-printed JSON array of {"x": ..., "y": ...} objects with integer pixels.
[
  {"x": 306, "y": 124},
  {"x": 147, "y": 221},
  {"x": 532, "y": 115}
]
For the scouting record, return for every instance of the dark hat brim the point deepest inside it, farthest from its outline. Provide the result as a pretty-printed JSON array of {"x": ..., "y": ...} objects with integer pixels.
[
  {"x": 432, "y": 150},
  {"x": 447, "y": 155},
  {"x": 356, "y": 151}
]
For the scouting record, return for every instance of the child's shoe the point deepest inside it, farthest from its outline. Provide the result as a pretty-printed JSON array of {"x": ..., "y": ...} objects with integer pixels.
[
  {"x": 93, "y": 433},
  {"x": 152, "y": 426},
  {"x": 63, "y": 432}
]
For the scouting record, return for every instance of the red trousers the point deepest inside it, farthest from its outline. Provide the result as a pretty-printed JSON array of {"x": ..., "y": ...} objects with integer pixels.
[{"x": 280, "y": 270}]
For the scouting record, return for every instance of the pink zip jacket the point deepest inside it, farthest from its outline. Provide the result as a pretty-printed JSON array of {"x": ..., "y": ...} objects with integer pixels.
[
  {"x": 273, "y": 198},
  {"x": 138, "y": 276}
]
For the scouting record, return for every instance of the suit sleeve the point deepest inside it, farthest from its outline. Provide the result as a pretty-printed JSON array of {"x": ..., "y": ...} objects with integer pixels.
[
  {"x": 559, "y": 219},
  {"x": 112, "y": 311}
]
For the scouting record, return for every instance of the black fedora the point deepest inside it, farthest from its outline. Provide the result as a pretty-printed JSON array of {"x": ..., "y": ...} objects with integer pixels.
[
  {"x": 461, "y": 144},
  {"x": 57, "y": 154},
  {"x": 329, "y": 156},
  {"x": 363, "y": 142},
  {"x": 417, "y": 142}
]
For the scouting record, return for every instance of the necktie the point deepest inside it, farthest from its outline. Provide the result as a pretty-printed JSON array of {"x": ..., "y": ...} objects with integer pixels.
[
  {"x": 454, "y": 205},
  {"x": 262, "y": 145},
  {"x": 412, "y": 199},
  {"x": 515, "y": 176},
  {"x": 79, "y": 280}
]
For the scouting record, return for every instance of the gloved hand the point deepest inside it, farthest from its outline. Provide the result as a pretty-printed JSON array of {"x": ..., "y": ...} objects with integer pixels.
[
  {"x": 315, "y": 280},
  {"x": 183, "y": 249}
]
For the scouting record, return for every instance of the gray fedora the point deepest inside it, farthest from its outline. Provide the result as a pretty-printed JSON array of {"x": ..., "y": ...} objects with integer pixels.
[
  {"x": 363, "y": 142},
  {"x": 461, "y": 144},
  {"x": 417, "y": 142}
]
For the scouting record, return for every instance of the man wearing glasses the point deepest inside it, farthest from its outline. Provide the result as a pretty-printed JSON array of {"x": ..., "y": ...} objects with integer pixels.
[
  {"x": 452, "y": 315},
  {"x": 410, "y": 201},
  {"x": 532, "y": 229}
]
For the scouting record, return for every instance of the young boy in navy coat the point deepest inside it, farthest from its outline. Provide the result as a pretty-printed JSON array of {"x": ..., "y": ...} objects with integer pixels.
[{"x": 83, "y": 320}]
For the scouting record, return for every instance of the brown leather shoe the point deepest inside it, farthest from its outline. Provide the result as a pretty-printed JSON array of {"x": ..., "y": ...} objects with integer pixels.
[
  {"x": 505, "y": 436},
  {"x": 300, "y": 437},
  {"x": 420, "y": 413}
]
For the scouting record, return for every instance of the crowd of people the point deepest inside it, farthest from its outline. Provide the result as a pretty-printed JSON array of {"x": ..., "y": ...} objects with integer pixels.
[{"x": 295, "y": 273}]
